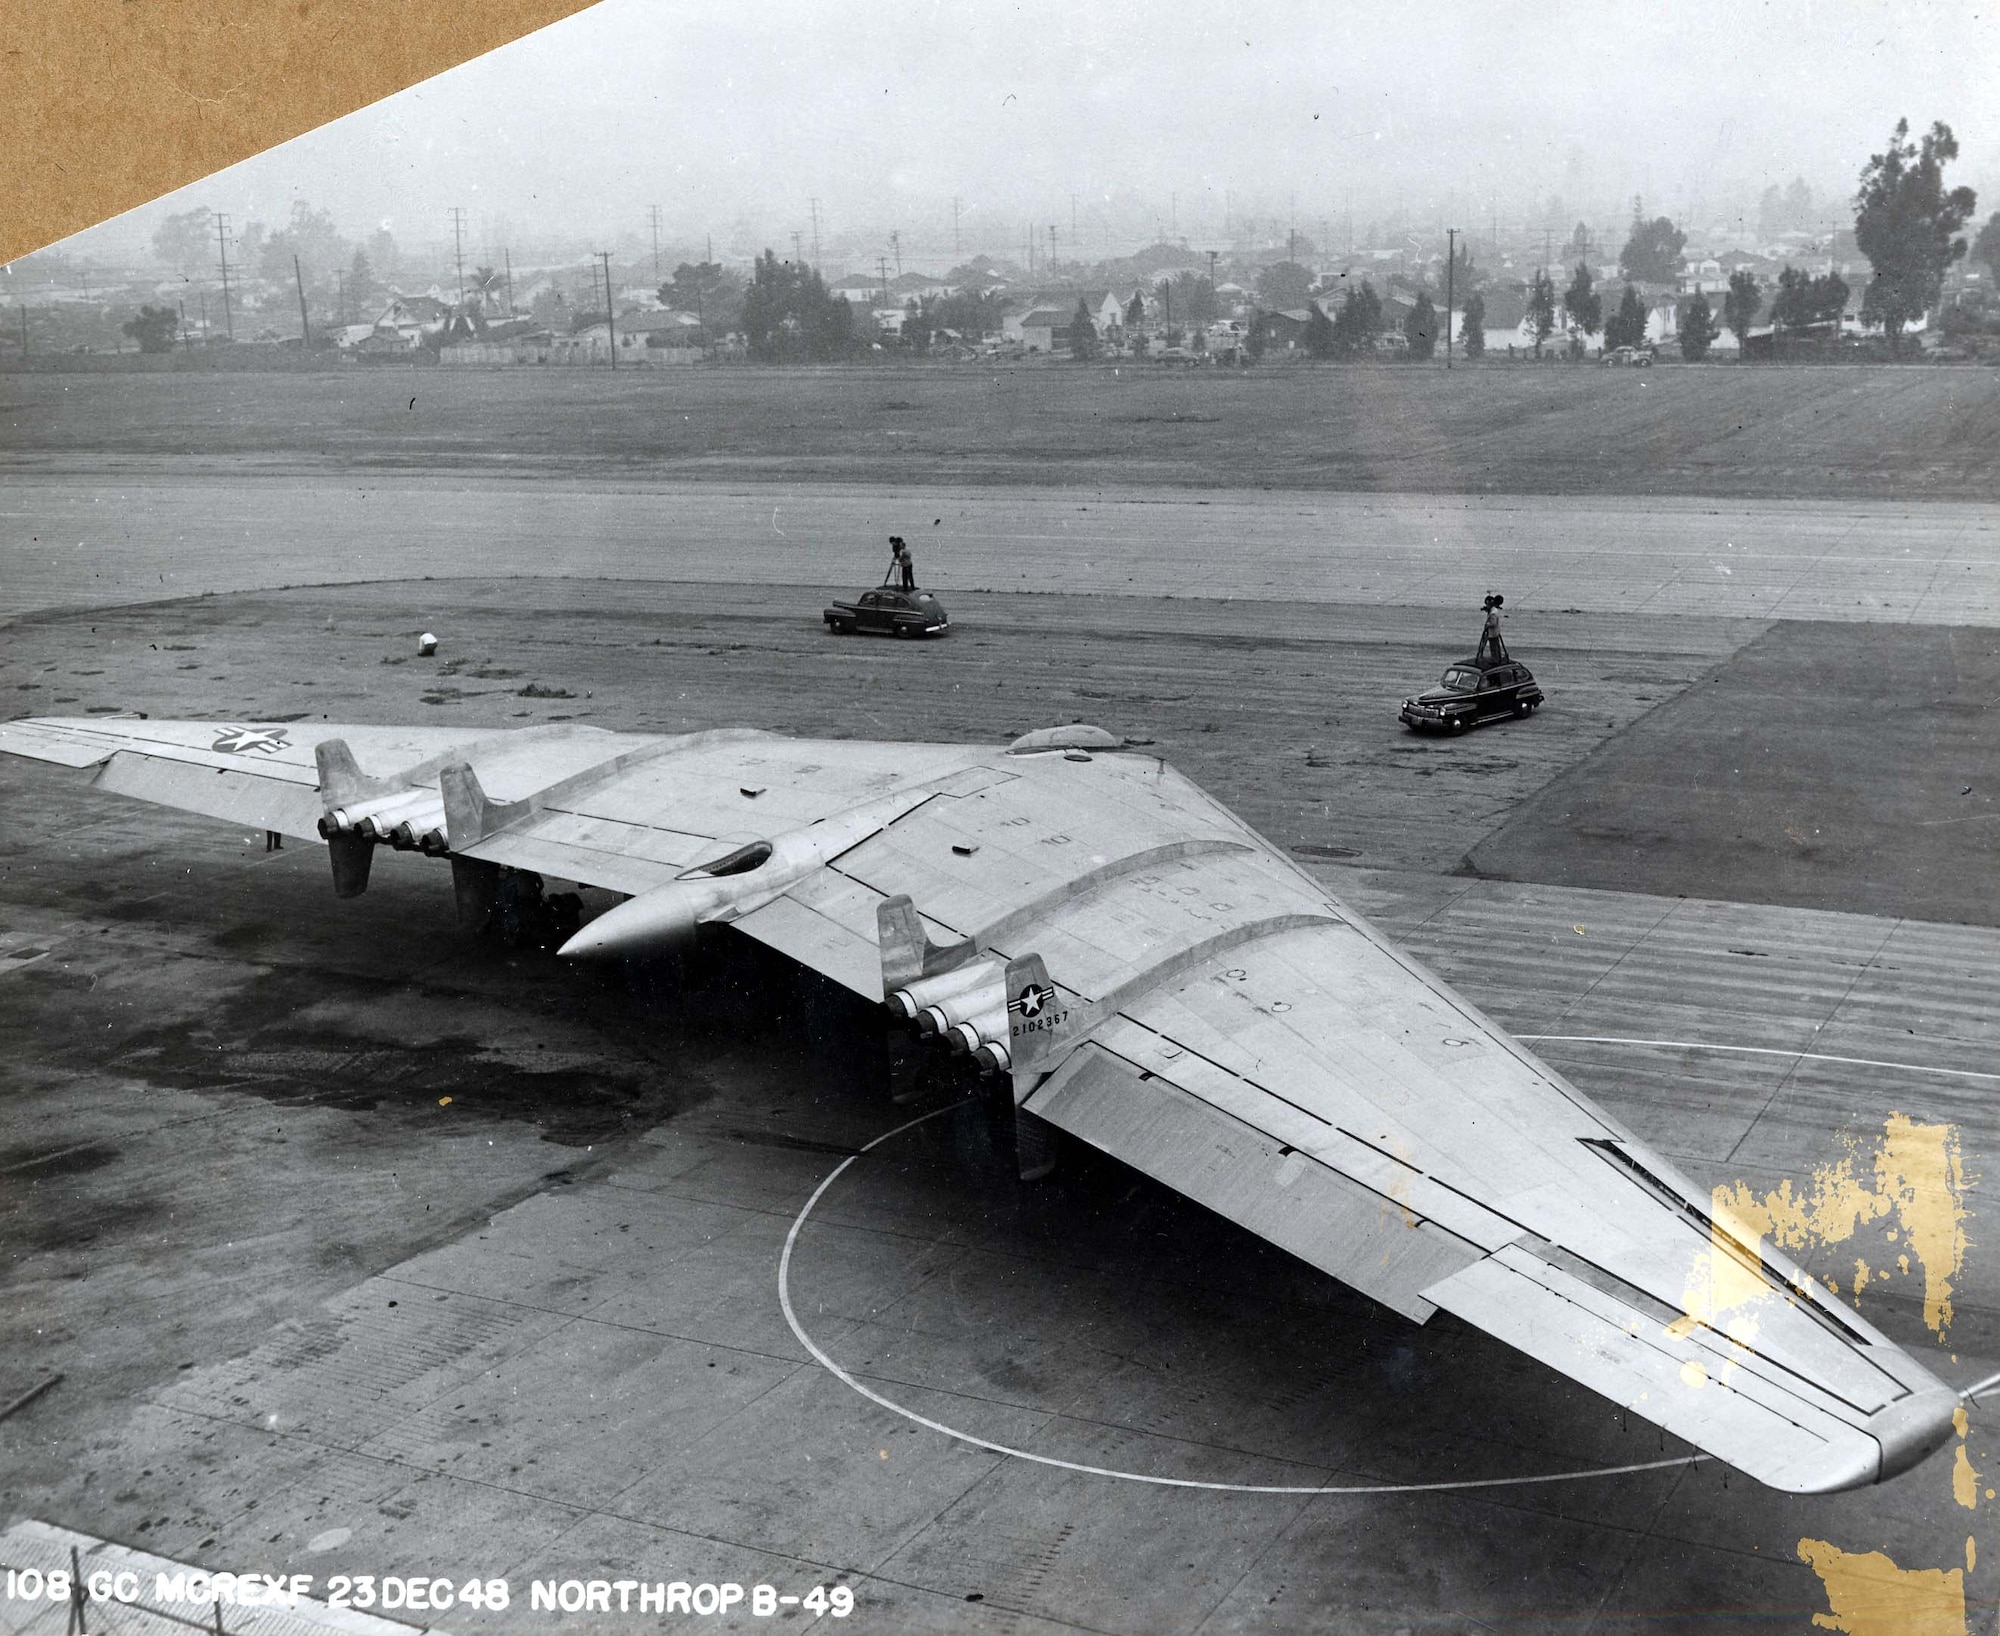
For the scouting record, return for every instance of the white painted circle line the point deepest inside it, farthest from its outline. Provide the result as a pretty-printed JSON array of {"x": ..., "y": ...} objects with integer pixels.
[
  {"x": 1752, "y": 1051},
  {"x": 875, "y": 1397}
]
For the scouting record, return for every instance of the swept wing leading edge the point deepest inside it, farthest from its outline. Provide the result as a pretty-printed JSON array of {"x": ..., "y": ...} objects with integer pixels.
[{"x": 1164, "y": 986}]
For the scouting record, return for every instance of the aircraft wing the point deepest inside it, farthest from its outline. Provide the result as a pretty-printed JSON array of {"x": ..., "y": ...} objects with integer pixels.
[{"x": 1163, "y": 985}]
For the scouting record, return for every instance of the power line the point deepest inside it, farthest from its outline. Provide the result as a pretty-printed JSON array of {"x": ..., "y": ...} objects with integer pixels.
[
  {"x": 610, "y": 307},
  {"x": 222, "y": 246},
  {"x": 458, "y": 249}
]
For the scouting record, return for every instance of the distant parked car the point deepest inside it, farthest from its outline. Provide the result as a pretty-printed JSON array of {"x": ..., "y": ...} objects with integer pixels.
[
  {"x": 1634, "y": 357},
  {"x": 887, "y": 611},
  {"x": 1470, "y": 693}
]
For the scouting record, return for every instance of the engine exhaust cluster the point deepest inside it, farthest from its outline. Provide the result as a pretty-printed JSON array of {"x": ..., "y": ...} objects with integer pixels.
[
  {"x": 407, "y": 821},
  {"x": 964, "y": 1010}
]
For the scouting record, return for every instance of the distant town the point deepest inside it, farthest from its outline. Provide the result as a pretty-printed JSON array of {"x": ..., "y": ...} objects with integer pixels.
[{"x": 1798, "y": 282}]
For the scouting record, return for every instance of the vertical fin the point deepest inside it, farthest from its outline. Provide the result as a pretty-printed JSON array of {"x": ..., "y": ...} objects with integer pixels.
[
  {"x": 351, "y": 855},
  {"x": 476, "y": 886},
  {"x": 341, "y": 782},
  {"x": 1042, "y": 1024},
  {"x": 470, "y": 814},
  {"x": 907, "y": 951}
]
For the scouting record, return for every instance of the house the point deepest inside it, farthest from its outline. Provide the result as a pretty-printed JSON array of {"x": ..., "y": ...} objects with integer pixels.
[
  {"x": 1285, "y": 331},
  {"x": 412, "y": 320},
  {"x": 512, "y": 341},
  {"x": 1040, "y": 329}
]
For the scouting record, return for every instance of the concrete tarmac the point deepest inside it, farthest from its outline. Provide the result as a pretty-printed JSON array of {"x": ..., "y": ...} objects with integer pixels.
[
  {"x": 70, "y": 541},
  {"x": 363, "y": 1245}
]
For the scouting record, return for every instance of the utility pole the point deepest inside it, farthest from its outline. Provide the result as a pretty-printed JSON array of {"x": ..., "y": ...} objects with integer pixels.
[
  {"x": 813, "y": 206},
  {"x": 186, "y": 344},
  {"x": 656, "y": 243},
  {"x": 610, "y": 307},
  {"x": 955, "y": 248},
  {"x": 1211, "y": 269},
  {"x": 458, "y": 248},
  {"x": 896, "y": 249},
  {"x": 305, "y": 328},
  {"x": 222, "y": 246},
  {"x": 339, "y": 296},
  {"x": 507, "y": 256},
  {"x": 798, "y": 249},
  {"x": 1052, "y": 249},
  {"x": 1450, "y": 269},
  {"x": 882, "y": 267}
]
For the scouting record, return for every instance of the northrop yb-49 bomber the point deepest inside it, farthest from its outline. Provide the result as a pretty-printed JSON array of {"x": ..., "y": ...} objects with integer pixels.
[{"x": 1157, "y": 981}]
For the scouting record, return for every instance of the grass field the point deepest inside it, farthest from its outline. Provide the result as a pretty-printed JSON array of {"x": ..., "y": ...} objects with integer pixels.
[{"x": 1840, "y": 431}]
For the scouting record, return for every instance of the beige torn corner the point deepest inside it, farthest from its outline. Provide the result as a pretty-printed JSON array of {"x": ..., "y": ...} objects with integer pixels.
[
  {"x": 1868, "y": 1595},
  {"x": 1917, "y": 1177}
]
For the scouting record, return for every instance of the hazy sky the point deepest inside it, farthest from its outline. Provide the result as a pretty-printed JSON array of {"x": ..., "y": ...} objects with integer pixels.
[{"x": 732, "y": 117}]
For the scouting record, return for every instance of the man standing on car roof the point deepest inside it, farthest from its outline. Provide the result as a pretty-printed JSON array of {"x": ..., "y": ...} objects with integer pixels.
[
  {"x": 1492, "y": 650},
  {"x": 904, "y": 561}
]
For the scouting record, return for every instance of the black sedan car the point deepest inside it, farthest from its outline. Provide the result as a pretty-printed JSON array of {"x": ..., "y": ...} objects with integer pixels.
[
  {"x": 1470, "y": 693},
  {"x": 886, "y": 611}
]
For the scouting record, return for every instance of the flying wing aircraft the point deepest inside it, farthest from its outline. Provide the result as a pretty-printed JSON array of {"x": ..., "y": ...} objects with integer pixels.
[{"x": 1157, "y": 981}]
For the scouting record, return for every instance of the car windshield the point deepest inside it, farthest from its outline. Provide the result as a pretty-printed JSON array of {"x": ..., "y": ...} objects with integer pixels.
[{"x": 1461, "y": 679}]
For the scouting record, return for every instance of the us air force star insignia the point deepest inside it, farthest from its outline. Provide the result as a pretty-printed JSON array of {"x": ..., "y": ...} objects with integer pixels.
[
  {"x": 1032, "y": 1000},
  {"x": 250, "y": 740}
]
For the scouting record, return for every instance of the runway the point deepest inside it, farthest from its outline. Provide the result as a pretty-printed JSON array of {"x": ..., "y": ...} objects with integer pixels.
[{"x": 66, "y": 541}]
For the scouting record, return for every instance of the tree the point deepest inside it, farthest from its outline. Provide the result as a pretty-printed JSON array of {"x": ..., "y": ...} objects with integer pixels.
[
  {"x": 1464, "y": 276},
  {"x": 1319, "y": 337},
  {"x": 1584, "y": 305},
  {"x": 1698, "y": 329},
  {"x": 1652, "y": 255},
  {"x": 1579, "y": 242},
  {"x": 1194, "y": 299},
  {"x": 487, "y": 283},
  {"x": 1359, "y": 321},
  {"x": 788, "y": 315},
  {"x": 361, "y": 286},
  {"x": 707, "y": 290},
  {"x": 1541, "y": 314},
  {"x": 1473, "y": 330},
  {"x": 1283, "y": 285},
  {"x": 971, "y": 312},
  {"x": 1420, "y": 328},
  {"x": 1986, "y": 248},
  {"x": 1082, "y": 333},
  {"x": 1627, "y": 326},
  {"x": 187, "y": 241},
  {"x": 310, "y": 235},
  {"x": 1905, "y": 222},
  {"x": 1257, "y": 335},
  {"x": 919, "y": 322},
  {"x": 1135, "y": 312},
  {"x": 155, "y": 328},
  {"x": 1803, "y": 300},
  {"x": 1740, "y": 305}
]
